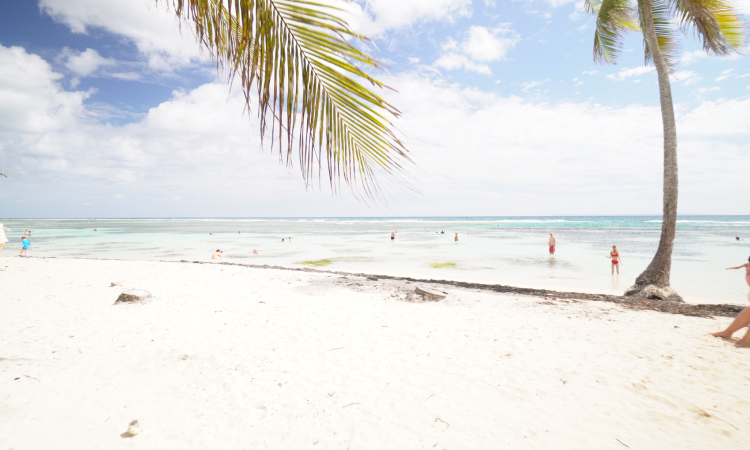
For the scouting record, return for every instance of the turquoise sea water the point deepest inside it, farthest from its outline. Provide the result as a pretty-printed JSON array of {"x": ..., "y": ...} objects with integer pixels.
[{"x": 505, "y": 250}]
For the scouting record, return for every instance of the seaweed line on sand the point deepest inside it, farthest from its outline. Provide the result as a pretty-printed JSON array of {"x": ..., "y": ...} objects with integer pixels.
[{"x": 637, "y": 303}]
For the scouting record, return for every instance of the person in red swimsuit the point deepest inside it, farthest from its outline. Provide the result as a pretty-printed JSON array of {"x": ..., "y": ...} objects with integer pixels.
[
  {"x": 614, "y": 256},
  {"x": 552, "y": 243}
]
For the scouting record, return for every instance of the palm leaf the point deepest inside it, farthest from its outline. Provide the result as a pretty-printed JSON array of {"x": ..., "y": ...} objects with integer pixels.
[
  {"x": 714, "y": 22},
  {"x": 614, "y": 18},
  {"x": 666, "y": 35},
  {"x": 295, "y": 56}
]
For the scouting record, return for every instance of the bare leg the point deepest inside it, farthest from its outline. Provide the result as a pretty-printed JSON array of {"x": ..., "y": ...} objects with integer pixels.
[
  {"x": 742, "y": 320},
  {"x": 618, "y": 269},
  {"x": 745, "y": 341},
  {"x": 613, "y": 269}
]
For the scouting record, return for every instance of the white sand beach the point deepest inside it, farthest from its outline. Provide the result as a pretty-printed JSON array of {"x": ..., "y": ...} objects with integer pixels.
[{"x": 237, "y": 358}]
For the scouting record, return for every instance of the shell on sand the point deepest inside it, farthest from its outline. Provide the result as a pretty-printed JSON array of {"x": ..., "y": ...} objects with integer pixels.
[{"x": 134, "y": 427}]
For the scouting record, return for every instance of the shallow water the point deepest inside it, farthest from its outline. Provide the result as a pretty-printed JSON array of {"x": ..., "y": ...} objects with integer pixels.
[{"x": 504, "y": 250}]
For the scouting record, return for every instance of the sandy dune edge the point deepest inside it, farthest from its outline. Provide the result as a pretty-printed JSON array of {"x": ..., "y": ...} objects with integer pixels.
[{"x": 200, "y": 366}]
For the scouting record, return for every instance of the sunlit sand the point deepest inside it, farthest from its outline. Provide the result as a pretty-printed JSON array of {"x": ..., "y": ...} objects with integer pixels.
[{"x": 233, "y": 357}]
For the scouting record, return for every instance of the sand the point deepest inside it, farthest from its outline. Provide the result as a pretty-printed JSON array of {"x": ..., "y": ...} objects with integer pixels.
[{"x": 237, "y": 358}]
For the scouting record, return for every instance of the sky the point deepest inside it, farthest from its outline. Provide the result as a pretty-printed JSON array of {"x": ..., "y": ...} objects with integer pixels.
[{"x": 111, "y": 109}]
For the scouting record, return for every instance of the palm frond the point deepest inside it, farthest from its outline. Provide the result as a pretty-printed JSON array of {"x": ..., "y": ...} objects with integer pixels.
[
  {"x": 295, "y": 55},
  {"x": 714, "y": 22},
  {"x": 614, "y": 18},
  {"x": 666, "y": 35}
]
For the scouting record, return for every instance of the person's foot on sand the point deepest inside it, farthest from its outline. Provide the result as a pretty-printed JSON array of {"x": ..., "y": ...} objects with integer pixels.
[
  {"x": 723, "y": 334},
  {"x": 742, "y": 343}
]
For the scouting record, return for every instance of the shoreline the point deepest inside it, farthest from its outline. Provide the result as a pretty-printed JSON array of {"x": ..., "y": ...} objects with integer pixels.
[{"x": 635, "y": 303}]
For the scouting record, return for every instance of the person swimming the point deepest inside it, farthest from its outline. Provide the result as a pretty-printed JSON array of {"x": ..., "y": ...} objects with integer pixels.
[
  {"x": 614, "y": 256},
  {"x": 217, "y": 254}
]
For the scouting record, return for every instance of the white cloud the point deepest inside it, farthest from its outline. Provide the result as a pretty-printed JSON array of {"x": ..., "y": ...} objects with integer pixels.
[
  {"x": 704, "y": 90},
  {"x": 374, "y": 17},
  {"x": 687, "y": 77},
  {"x": 725, "y": 74},
  {"x": 590, "y": 72},
  {"x": 453, "y": 61},
  {"x": 31, "y": 97},
  {"x": 530, "y": 84},
  {"x": 413, "y": 60},
  {"x": 484, "y": 44},
  {"x": 449, "y": 44},
  {"x": 152, "y": 28},
  {"x": 523, "y": 156},
  {"x": 578, "y": 11},
  {"x": 691, "y": 57},
  {"x": 85, "y": 63},
  {"x": 129, "y": 76},
  {"x": 480, "y": 45},
  {"x": 627, "y": 73}
]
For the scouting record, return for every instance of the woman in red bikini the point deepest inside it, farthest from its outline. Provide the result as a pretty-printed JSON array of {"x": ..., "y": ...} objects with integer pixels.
[
  {"x": 743, "y": 318},
  {"x": 614, "y": 256}
]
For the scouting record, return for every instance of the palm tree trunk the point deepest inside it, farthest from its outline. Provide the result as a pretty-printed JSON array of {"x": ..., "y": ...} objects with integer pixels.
[{"x": 654, "y": 281}]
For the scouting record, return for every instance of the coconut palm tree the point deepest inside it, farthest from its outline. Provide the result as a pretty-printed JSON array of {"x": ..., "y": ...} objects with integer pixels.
[
  {"x": 298, "y": 66},
  {"x": 719, "y": 29}
]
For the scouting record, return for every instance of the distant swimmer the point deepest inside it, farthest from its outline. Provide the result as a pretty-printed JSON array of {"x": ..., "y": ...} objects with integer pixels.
[
  {"x": 239, "y": 232},
  {"x": 27, "y": 233},
  {"x": 290, "y": 239},
  {"x": 456, "y": 238},
  {"x": 743, "y": 318},
  {"x": 393, "y": 235},
  {"x": 282, "y": 240},
  {"x": 94, "y": 229},
  {"x": 442, "y": 232},
  {"x": 614, "y": 256},
  {"x": 208, "y": 233},
  {"x": 255, "y": 251},
  {"x": 552, "y": 243},
  {"x": 217, "y": 254}
]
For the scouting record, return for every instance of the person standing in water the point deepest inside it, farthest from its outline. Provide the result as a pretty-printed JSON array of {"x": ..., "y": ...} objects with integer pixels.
[
  {"x": 393, "y": 235},
  {"x": 456, "y": 238},
  {"x": 552, "y": 243},
  {"x": 743, "y": 318},
  {"x": 614, "y": 256}
]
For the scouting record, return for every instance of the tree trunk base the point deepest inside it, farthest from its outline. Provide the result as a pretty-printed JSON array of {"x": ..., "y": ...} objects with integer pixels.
[{"x": 653, "y": 292}]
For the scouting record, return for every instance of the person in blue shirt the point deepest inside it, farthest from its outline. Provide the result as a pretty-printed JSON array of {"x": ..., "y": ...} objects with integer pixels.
[{"x": 26, "y": 246}]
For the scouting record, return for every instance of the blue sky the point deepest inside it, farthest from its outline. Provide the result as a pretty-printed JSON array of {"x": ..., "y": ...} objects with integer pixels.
[{"x": 107, "y": 110}]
